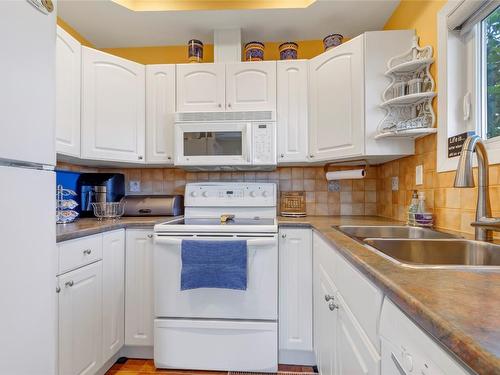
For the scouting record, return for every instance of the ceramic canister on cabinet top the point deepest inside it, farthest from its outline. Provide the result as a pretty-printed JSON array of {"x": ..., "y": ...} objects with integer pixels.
[
  {"x": 254, "y": 51},
  {"x": 332, "y": 40},
  {"x": 195, "y": 50},
  {"x": 288, "y": 51}
]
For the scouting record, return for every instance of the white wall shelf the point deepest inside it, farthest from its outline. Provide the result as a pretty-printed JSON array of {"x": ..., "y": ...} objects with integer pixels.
[
  {"x": 409, "y": 99},
  {"x": 409, "y": 66},
  {"x": 408, "y": 133},
  {"x": 410, "y": 115}
]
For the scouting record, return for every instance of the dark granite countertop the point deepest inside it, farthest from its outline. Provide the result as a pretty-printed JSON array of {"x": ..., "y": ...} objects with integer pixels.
[
  {"x": 88, "y": 226},
  {"x": 459, "y": 308}
]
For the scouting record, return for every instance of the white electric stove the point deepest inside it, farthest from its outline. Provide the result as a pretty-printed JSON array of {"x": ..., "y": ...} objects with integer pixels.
[{"x": 219, "y": 329}]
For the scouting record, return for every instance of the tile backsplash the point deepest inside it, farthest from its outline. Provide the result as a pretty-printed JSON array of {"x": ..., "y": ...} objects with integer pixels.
[
  {"x": 454, "y": 208},
  {"x": 354, "y": 197}
]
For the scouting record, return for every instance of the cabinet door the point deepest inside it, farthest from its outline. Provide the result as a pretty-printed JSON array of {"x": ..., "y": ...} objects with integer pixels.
[
  {"x": 251, "y": 86},
  {"x": 160, "y": 110},
  {"x": 80, "y": 320},
  {"x": 355, "y": 353},
  {"x": 295, "y": 308},
  {"x": 113, "y": 114},
  {"x": 68, "y": 84},
  {"x": 113, "y": 291},
  {"x": 139, "y": 288},
  {"x": 200, "y": 87},
  {"x": 292, "y": 110},
  {"x": 336, "y": 123},
  {"x": 327, "y": 324}
]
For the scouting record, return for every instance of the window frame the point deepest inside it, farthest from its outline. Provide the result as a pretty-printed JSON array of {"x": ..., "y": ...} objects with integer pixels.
[{"x": 456, "y": 77}]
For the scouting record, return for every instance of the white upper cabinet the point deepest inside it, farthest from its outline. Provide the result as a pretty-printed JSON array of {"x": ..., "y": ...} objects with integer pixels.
[
  {"x": 345, "y": 91},
  {"x": 68, "y": 84},
  {"x": 200, "y": 87},
  {"x": 251, "y": 86},
  {"x": 337, "y": 99},
  {"x": 113, "y": 292},
  {"x": 160, "y": 111},
  {"x": 292, "y": 111},
  {"x": 113, "y": 108}
]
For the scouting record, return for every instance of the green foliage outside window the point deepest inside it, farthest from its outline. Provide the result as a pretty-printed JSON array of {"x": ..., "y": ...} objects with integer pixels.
[{"x": 492, "y": 38}]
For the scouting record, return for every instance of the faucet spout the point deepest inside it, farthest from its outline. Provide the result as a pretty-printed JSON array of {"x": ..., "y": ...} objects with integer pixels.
[{"x": 464, "y": 178}]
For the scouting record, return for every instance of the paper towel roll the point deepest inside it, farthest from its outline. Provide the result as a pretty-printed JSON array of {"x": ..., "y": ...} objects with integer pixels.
[{"x": 346, "y": 175}]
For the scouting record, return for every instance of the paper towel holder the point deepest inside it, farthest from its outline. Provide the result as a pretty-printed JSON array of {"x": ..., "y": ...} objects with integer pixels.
[{"x": 328, "y": 165}]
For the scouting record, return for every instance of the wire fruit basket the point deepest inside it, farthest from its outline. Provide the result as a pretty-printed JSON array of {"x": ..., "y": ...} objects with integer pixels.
[{"x": 108, "y": 210}]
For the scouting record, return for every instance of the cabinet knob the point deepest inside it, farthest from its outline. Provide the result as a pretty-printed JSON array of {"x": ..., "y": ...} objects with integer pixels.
[
  {"x": 140, "y": 157},
  {"x": 150, "y": 236},
  {"x": 229, "y": 105},
  {"x": 311, "y": 156},
  {"x": 58, "y": 289},
  {"x": 283, "y": 235},
  {"x": 87, "y": 252},
  {"x": 169, "y": 157},
  {"x": 332, "y": 306},
  {"x": 328, "y": 297},
  {"x": 69, "y": 283},
  {"x": 282, "y": 155},
  {"x": 219, "y": 105}
]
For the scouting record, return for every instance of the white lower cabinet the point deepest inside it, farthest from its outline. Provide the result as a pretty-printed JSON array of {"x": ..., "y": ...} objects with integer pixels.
[
  {"x": 355, "y": 353},
  {"x": 80, "y": 320},
  {"x": 113, "y": 292},
  {"x": 295, "y": 296},
  {"x": 139, "y": 301},
  {"x": 341, "y": 345}
]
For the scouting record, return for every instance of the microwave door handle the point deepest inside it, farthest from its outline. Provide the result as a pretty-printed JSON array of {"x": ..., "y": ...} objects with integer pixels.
[{"x": 249, "y": 139}]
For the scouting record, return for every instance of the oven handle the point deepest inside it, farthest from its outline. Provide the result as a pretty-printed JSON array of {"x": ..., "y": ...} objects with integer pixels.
[{"x": 252, "y": 242}]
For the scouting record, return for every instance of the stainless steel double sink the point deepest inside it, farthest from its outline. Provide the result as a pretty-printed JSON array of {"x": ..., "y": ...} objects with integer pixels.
[{"x": 425, "y": 248}]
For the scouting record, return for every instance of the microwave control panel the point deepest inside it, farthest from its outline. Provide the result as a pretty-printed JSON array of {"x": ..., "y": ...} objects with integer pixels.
[{"x": 264, "y": 143}]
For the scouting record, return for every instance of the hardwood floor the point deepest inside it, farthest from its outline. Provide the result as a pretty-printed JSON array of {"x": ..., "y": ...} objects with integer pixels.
[{"x": 147, "y": 367}]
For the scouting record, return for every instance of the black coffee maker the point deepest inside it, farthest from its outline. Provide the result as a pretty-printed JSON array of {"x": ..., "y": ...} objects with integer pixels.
[{"x": 99, "y": 187}]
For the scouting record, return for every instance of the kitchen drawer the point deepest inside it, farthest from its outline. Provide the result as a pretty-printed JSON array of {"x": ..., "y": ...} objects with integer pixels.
[{"x": 79, "y": 252}]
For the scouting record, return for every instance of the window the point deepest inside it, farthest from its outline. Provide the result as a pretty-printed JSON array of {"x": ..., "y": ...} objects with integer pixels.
[
  {"x": 468, "y": 75},
  {"x": 491, "y": 74}
]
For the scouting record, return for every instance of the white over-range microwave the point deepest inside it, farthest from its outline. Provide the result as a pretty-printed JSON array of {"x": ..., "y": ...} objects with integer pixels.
[{"x": 225, "y": 141}]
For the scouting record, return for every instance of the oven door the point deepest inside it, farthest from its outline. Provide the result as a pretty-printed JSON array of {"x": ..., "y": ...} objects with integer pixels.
[
  {"x": 258, "y": 301},
  {"x": 213, "y": 144}
]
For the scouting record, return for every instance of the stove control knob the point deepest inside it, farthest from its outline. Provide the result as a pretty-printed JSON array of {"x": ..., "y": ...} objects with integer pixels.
[
  {"x": 194, "y": 194},
  {"x": 205, "y": 194},
  {"x": 253, "y": 194}
]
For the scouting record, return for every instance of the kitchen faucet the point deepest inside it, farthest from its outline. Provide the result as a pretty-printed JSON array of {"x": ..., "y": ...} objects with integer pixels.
[{"x": 484, "y": 224}]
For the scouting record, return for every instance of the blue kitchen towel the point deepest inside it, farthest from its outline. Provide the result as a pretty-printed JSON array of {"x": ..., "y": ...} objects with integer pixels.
[{"x": 214, "y": 264}]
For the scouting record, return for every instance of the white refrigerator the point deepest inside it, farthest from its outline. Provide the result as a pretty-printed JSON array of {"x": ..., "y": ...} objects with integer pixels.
[{"x": 28, "y": 321}]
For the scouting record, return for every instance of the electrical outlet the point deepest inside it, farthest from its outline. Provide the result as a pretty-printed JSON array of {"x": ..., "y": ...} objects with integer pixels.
[
  {"x": 395, "y": 183},
  {"x": 419, "y": 174},
  {"x": 134, "y": 186}
]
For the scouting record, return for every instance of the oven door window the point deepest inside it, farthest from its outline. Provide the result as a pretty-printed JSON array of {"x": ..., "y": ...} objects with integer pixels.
[{"x": 225, "y": 143}]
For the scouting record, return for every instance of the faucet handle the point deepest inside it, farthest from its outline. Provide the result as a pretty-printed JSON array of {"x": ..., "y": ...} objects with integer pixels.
[{"x": 491, "y": 223}]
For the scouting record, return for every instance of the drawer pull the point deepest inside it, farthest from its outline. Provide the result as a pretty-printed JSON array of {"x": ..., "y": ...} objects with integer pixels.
[
  {"x": 58, "y": 289},
  {"x": 69, "y": 283},
  {"x": 329, "y": 298},
  {"x": 87, "y": 252}
]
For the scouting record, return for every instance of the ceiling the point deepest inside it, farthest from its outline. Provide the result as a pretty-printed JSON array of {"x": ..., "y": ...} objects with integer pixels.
[
  {"x": 156, "y": 5},
  {"x": 106, "y": 24}
]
